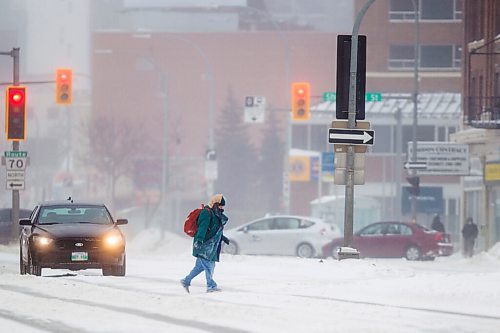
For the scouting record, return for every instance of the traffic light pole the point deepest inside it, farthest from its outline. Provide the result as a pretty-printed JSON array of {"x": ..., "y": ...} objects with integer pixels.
[
  {"x": 351, "y": 123},
  {"x": 415, "y": 106},
  {"x": 14, "y": 215}
]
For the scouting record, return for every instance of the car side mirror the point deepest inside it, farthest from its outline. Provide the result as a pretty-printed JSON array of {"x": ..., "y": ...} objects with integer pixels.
[
  {"x": 245, "y": 230},
  {"x": 121, "y": 221},
  {"x": 25, "y": 222}
]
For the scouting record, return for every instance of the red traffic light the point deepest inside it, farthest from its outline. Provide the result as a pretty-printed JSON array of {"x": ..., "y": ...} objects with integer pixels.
[
  {"x": 16, "y": 96},
  {"x": 15, "y": 115}
]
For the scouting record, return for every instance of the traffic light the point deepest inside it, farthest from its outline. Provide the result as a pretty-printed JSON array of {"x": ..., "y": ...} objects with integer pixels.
[
  {"x": 15, "y": 115},
  {"x": 301, "y": 94},
  {"x": 64, "y": 88},
  {"x": 415, "y": 185}
]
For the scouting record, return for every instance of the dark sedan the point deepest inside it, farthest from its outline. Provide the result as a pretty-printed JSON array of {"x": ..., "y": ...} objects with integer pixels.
[
  {"x": 71, "y": 235},
  {"x": 393, "y": 240}
]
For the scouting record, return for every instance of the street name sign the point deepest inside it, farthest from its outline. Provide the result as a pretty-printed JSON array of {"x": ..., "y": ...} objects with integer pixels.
[
  {"x": 350, "y": 136},
  {"x": 331, "y": 96},
  {"x": 441, "y": 158}
]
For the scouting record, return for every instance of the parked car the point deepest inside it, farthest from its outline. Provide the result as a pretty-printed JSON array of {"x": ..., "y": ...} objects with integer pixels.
[
  {"x": 72, "y": 235},
  {"x": 6, "y": 224},
  {"x": 394, "y": 239},
  {"x": 281, "y": 235}
]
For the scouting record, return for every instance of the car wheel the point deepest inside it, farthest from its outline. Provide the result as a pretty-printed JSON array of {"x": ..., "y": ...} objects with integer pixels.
[
  {"x": 231, "y": 248},
  {"x": 116, "y": 270},
  {"x": 121, "y": 269},
  {"x": 305, "y": 250},
  {"x": 335, "y": 252},
  {"x": 412, "y": 253},
  {"x": 23, "y": 269},
  {"x": 107, "y": 271},
  {"x": 33, "y": 269}
]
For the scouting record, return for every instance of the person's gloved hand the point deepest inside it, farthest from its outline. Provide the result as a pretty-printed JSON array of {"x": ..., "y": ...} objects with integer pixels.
[
  {"x": 197, "y": 244},
  {"x": 226, "y": 240}
]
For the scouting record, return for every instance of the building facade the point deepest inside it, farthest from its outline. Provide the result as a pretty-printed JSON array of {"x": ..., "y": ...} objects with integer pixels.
[{"x": 481, "y": 117}]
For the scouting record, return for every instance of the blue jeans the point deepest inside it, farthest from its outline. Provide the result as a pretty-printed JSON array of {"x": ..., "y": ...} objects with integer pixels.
[{"x": 200, "y": 266}]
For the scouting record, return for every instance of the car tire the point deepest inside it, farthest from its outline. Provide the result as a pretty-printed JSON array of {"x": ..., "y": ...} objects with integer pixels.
[
  {"x": 116, "y": 270},
  {"x": 107, "y": 270},
  {"x": 33, "y": 269},
  {"x": 231, "y": 248},
  {"x": 23, "y": 269},
  {"x": 120, "y": 270},
  {"x": 305, "y": 250},
  {"x": 412, "y": 253}
]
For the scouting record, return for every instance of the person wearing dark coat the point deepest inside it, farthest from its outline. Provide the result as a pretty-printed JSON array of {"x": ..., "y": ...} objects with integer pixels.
[
  {"x": 469, "y": 232},
  {"x": 437, "y": 224},
  {"x": 207, "y": 242}
]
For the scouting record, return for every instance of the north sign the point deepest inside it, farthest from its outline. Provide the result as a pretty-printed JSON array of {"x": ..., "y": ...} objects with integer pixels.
[{"x": 350, "y": 136}]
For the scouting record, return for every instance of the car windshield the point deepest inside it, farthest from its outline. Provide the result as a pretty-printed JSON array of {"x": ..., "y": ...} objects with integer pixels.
[{"x": 74, "y": 214}]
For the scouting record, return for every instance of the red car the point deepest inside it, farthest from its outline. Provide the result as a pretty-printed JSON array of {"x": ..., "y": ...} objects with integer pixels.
[{"x": 394, "y": 240}]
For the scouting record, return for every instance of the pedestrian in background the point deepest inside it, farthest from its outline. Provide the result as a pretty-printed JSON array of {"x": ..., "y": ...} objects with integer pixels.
[
  {"x": 469, "y": 232},
  {"x": 437, "y": 224},
  {"x": 207, "y": 242}
]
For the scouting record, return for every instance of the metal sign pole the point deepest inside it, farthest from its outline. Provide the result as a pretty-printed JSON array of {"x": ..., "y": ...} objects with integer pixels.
[
  {"x": 15, "y": 147},
  {"x": 351, "y": 123}
]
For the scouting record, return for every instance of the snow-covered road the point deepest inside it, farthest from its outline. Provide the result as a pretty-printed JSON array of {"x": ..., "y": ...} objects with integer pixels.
[{"x": 260, "y": 294}]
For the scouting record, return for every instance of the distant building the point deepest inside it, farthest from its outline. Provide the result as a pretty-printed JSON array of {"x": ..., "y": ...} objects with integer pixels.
[{"x": 481, "y": 117}]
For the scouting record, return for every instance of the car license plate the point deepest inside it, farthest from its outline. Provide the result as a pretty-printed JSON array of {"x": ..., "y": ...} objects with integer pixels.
[{"x": 79, "y": 256}]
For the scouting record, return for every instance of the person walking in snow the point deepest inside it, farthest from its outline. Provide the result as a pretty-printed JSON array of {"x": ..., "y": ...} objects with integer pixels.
[
  {"x": 207, "y": 242},
  {"x": 437, "y": 224},
  {"x": 469, "y": 232}
]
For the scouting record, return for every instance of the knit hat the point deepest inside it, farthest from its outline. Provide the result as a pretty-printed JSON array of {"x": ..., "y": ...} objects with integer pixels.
[{"x": 217, "y": 198}]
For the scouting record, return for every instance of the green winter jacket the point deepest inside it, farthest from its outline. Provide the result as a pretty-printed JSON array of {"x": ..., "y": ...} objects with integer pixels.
[{"x": 207, "y": 240}]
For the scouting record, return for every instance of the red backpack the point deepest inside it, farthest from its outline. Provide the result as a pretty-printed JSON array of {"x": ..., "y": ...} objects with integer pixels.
[{"x": 191, "y": 223}]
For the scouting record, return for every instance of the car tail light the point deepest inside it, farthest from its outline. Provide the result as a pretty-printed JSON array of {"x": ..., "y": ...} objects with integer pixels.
[{"x": 438, "y": 237}]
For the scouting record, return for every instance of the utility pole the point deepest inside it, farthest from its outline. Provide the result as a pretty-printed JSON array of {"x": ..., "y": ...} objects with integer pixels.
[
  {"x": 415, "y": 105},
  {"x": 14, "y": 53}
]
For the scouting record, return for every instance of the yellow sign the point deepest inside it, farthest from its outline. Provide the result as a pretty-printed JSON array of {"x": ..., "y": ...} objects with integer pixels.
[
  {"x": 492, "y": 172},
  {"x": 300, "y": 168}
]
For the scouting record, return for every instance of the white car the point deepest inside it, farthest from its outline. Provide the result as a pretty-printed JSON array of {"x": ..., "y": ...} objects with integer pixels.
[{"x": 281, "y": 235}]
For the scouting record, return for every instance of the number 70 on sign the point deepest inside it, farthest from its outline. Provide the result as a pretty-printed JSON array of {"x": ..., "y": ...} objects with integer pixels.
[{"x": 15, "y": 163}]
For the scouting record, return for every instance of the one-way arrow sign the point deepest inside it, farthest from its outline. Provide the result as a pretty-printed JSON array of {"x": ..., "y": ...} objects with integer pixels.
[
  {"x": 350, "y": 136},
  {"x": 416, "y": 166}
]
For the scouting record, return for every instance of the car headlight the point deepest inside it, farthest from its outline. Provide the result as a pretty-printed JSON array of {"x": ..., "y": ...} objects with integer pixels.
[
  {"x": 113, "y": 240},
  {"x": 42, "y": 241}
]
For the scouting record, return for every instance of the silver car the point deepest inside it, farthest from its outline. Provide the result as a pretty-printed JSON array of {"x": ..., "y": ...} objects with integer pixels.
[{"x": 281, "y": 235}]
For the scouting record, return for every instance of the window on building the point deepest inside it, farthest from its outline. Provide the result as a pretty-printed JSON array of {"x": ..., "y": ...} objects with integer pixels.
[
  {"x": 431, "y": 56},
  {"x": 436, "y": 56},
  {"x": 403, "y": 10},
  {"x": 401, "y": 56},
  {"x": 299, "y": 137},
  {"x": 383, "y": 142},
  {"x": 424, "y": 133},
  {"x": 319, "y": 136}
]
